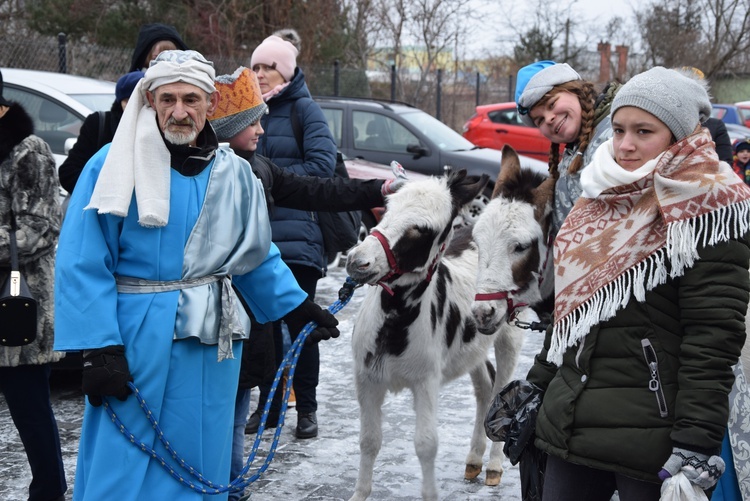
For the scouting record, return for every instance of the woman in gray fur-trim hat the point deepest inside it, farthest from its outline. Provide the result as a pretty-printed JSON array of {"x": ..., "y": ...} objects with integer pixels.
[{"x": 29, "y": 193}]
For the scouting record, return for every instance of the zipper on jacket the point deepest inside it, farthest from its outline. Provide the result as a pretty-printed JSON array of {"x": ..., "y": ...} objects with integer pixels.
[{"x": 654, "y": 383}]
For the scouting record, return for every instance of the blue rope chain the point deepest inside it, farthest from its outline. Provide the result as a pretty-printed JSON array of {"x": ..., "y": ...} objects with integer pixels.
[{"x": 239, "y": 483}]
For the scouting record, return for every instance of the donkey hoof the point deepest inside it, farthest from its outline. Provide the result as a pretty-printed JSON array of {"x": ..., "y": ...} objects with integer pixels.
[
  {"x": 493, "y": 477},
  {"x": 472, "y": 471}
]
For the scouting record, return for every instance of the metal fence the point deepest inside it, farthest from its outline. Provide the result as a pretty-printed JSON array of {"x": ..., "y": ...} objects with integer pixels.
[{"x": 450, "y": 97}]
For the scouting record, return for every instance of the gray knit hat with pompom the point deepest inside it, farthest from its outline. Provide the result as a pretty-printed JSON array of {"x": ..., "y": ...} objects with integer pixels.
[{"x": 679, "y": 101}]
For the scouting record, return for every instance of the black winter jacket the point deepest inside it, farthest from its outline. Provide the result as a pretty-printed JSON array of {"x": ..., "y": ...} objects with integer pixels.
[
  {"x": 656, "y": 375},
  {"x": 296, "y": 232},
  {"x": 90, "y": 140},
  {"x": 721, "y": 138}
]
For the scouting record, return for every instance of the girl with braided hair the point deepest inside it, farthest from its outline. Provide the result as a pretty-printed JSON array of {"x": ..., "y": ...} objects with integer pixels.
[{"x": 567, "y": 110}]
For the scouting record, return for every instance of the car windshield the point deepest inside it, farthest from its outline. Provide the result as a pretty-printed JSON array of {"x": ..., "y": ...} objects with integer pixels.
[
  {"x": 95, "y": 102},
  {"x": 445, "y": 138}
]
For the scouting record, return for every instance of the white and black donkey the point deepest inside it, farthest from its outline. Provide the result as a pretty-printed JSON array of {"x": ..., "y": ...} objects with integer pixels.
[{"x": 417, "y": 331}]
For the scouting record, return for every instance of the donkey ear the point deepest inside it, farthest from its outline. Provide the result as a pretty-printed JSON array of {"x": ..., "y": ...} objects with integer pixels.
[
  {"x": 465, "y": 188},
  {"x": 510, "y": 168}
]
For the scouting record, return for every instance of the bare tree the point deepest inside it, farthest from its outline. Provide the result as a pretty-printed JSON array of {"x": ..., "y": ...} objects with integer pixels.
[
  {"x": 713, "y": 35},
  {"x": 360, "y": 30},
  {"x": 12, "y": 18},
  {"x": 552, "y": 33},
  {"x": 427, "y": 32}
]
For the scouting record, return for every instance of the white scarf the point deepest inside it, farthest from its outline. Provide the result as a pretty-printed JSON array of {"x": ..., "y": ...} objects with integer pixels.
[{"x": 604, "y": 172}]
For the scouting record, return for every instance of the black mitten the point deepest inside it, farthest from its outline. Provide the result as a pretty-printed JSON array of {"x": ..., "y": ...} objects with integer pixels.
[
  {"x": 105, "y": 374},
  {"x": 308, "y": 312}
]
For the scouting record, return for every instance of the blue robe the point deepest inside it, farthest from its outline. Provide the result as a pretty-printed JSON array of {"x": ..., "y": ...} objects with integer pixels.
[{"x": 190, "y": 393}]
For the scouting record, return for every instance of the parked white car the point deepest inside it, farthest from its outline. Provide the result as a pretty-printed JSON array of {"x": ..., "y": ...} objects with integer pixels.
[{"x": 57, "y": 102}]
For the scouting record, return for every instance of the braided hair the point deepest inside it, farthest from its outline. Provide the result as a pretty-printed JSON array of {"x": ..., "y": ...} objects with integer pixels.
[{"x": 586, "y": 95}]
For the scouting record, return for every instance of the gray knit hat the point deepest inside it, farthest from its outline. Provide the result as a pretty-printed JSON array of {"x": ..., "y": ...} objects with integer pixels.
[
  {"x": 240, "y": 103},
  {"x": 679, "y": 101},
  {"x": 537, "y": 79}
]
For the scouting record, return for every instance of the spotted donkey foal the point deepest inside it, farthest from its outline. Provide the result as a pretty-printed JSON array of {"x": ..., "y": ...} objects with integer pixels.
[
  {"x": 416, "y": 331},
  {"x": 512, "y": 238}
]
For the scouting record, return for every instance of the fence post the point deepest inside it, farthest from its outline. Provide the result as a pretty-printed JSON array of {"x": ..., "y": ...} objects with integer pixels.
[
  {"x": 439, "y": 92},
  {"x": 62, "y": 60},
  {"x": 336, "y": 77},
  {"x": 477, "y": 100},
  {"x": 393, "y": 82}
]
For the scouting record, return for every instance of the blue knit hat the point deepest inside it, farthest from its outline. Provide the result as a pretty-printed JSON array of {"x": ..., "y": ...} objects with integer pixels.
[
  {"x": 537, "y": 79},
  {"x": 126, "y": 84}
]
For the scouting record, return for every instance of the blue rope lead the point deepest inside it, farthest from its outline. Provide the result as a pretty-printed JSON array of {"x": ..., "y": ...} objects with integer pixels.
[{"x": 239, "y": 483}]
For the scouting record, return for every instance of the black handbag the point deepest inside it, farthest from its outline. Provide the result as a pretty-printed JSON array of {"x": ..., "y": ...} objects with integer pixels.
[{"x": 18, "y": 308}]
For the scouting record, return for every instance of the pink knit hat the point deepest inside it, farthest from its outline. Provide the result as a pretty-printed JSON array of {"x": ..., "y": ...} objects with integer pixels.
[{"x": 277, "y": 54}]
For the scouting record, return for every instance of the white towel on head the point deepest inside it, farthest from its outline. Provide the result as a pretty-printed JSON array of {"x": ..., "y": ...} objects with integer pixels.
[{"x": 137, "y": 160}]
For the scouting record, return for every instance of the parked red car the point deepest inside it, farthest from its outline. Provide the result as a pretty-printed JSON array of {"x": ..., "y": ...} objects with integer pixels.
[{"x": 495, "y": 125}]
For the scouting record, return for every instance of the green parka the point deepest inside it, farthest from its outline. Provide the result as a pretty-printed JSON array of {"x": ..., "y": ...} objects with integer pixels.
[{"x": 654, "y": 376}]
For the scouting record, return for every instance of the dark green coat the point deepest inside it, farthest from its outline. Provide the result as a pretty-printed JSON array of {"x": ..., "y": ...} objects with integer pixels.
[{"x": 598, "y": 409}]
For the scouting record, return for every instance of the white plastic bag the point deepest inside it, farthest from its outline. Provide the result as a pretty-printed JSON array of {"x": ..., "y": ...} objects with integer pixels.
[{"x": 679, "y": 488}]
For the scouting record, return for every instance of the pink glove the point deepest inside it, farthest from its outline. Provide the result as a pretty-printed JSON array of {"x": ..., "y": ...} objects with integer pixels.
[{"x": 391, "y": 186}]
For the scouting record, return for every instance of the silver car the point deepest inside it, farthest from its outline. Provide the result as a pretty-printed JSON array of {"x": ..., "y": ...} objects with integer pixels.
[{"x": 57, "y": 102}]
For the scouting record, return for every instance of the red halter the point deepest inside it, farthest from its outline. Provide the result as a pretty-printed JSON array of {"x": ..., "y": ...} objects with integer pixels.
[
  {"x": 513, "y": 308},
  {"x": 395, "y": 272}
]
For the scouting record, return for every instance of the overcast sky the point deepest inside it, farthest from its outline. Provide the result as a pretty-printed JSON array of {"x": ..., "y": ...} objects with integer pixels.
[{"x": 497, "y": 17}]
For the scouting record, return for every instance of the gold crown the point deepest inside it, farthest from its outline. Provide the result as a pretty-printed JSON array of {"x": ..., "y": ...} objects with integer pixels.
[{"x": 238, "y": 93}]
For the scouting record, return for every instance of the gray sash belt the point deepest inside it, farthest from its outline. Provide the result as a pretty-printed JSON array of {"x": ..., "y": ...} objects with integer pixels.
[{"x": 131, "y": 285}]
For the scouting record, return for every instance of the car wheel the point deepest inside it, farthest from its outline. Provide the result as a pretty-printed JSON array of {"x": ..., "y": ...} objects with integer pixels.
[{"x": 471, "y": 211}]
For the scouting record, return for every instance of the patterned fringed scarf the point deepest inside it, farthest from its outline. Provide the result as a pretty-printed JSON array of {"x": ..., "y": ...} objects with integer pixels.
[{"x": 633, "y": 237}]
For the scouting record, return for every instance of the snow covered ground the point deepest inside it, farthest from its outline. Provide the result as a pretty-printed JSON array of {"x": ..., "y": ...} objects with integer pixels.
[{"x": 324, "y": 468}]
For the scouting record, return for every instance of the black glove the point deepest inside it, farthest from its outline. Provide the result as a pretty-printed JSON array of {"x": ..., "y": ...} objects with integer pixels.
[
  {"x": 105, "y": 374},
  {"x": 308, "y": 312}
]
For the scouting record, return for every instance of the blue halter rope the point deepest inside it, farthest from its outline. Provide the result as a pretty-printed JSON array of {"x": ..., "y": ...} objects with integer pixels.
[{"x": 203, "y": 485}]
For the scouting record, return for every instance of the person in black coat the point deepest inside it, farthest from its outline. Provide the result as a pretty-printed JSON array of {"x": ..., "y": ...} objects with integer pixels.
[
  {"x": 721, "y": 138},
  {"x": 237, "y": 121},
  {"x": 97, "y": 130},
  {"x": 153, "y": 39}
]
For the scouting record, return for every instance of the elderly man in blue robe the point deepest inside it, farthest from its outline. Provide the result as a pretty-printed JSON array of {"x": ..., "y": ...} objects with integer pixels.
[{"x": 163, "y": 228}]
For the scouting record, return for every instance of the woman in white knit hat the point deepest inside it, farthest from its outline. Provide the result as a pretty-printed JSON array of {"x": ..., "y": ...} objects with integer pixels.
[{"x": 651, "y": 291}]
